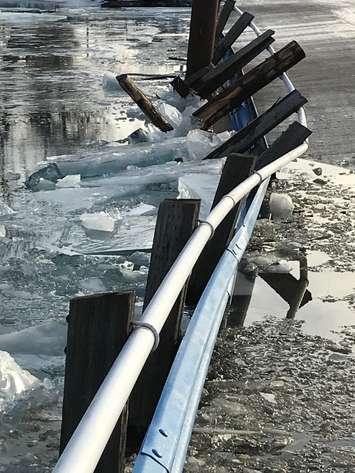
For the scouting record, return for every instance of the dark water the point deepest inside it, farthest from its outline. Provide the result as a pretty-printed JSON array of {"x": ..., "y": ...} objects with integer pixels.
[{"x": 52, "y": 66}]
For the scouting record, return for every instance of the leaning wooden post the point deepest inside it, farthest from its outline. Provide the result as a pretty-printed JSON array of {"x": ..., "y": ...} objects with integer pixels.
[
  {"x": 236, "y": 169},
  {"x": 202, "y": 34},
  {"x": 176, "y": 221},
  {"x": 143, "y": 103},
  {"x": 98, "y": 327}
]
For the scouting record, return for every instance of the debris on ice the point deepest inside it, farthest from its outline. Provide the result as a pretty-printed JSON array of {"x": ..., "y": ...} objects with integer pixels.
[
  {"x": 281, "y": 206},
  {"x": 5, "y": 210},
  {"x": 13, "y": 379},
  {"x": 98, "y": 222}
]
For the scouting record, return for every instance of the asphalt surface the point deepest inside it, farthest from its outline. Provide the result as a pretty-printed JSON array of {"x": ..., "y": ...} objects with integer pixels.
[{"x": 326, "y": 31}]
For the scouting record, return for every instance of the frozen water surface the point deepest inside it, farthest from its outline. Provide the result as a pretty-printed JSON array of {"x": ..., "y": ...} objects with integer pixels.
[{"x": 80, "y": 233}]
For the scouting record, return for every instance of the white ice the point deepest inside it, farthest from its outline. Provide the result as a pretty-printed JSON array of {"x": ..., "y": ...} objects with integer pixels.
[
  {"x": 99, "y": 221},
  {"x": 199, "y": 186},
  {"x": 281, "y": 206},
  {"x": 13, "y": 379}
]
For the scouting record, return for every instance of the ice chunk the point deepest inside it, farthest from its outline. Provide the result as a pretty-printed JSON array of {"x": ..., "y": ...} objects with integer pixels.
[
  {"x": 109, "y": 82},
  {"x": 199, "y": 186},
  {"x": 281, "y": 206},
  {"x": 115, "y": 159},
  {"x": 69, "y": 181},
  {"x": 2, "y": 231},
  {"x": 98, "y": 222},
  {"x": 46, "y": 339},
  {"x": 200, "y": 143},
  {"x": 13, "y": 379},
  {"x": 170, "y": 114}
]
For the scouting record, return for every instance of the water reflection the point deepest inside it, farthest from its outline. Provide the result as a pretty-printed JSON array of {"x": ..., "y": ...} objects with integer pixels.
[
  {"x": 51, "y": 70},
  {"x": 325, "y": 307},
  {"x": 292, "y": 290}
]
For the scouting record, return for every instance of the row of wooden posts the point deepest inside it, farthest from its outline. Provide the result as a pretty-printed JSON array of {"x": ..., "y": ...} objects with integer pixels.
[{"x": 99, "y": 325}]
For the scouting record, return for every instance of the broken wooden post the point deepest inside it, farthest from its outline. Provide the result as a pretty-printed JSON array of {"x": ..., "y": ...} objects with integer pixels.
[
  {"x": 176, "y": 222},
  {"x": 143, "y": 103},
  {"x": 249, "y": 84},
  {"x": 236, "y": 169},
  {"x": 244, "y": 139},
  {"x": 202, "y": 34},
  {"x": 209, "y": 78},
  {"x": 231, "y": 67},
  {"x": 224, "y": 16},
  {"x": 98, "y": 327},
  {"x": 233, "y": 34},
  {"x": 295, "y": 135}
]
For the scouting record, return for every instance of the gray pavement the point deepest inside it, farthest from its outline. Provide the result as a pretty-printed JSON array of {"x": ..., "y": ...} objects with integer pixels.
[{"x": 326, "y": 30}]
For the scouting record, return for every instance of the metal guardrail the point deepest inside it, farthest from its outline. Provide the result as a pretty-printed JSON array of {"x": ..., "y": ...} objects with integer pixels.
[
  {"x": 165, "y": 446},
  {"x": 84, "y": 449}
]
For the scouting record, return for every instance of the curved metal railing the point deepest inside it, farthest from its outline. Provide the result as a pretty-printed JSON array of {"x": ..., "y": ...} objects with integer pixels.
[{"x": 85, "y": 447}]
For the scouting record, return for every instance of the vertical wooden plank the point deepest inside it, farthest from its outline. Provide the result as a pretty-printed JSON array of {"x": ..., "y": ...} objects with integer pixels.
[
  {"x": 202, "y": 34},
  {"x": 97, "y": 329},
  {"x": 236, "y": 169},
  {"x": 176, "y": 222}
]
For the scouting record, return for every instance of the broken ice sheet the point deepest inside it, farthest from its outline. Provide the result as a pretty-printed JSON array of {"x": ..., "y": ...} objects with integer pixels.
[{"x": 112, "y": 160}]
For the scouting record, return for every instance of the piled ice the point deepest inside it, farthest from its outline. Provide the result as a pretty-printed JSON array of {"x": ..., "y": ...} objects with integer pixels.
[{"x": 13, "y": 380}]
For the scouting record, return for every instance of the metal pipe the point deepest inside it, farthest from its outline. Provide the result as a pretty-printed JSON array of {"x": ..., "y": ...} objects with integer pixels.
[{"x": 90, "y": 438}]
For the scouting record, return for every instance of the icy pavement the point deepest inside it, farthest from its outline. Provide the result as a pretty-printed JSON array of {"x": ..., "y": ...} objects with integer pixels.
[{"x": 276, "y": 400}]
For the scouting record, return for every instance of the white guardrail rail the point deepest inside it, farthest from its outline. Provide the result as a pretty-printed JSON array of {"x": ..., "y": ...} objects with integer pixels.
[{"x": 85, "y": 447}]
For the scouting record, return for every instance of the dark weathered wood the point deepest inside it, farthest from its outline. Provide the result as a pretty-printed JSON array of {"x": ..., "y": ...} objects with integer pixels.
[
  {"x": 224, "y": 16},
  {"x": 260, "y": 126},
  {"x": 236, "y": 169},
  {"x": 233, "y": 34},
  {"x": 98, "y": 327},
  {"x": 202, "y": 34},
  {"x": 143, "y": 103},
  {"x": 294, "y": 136},
  {"x": 176, "y": 221},
  {"x": 229, "y": 68},
  {"x": 249, "y": 84},
  {"x": 181, "y": 88}
]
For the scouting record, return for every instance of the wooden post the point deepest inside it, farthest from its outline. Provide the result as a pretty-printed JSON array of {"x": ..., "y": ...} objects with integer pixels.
[
  {"x": 143, "y": 103},
  {"x": 249, "y": 84},
  {"x": 224, "y": 16},
  {"x": 236, "y": 169},
  {"x": 98, "y": 327},
  {"x": 293, "y": 136},
  {"x": 202, "y": 34},
  {"x": 176, "y": 221},
  {"x": 244, "y": 139},
  {"x": 233, "y": 34},
  {"x": 232, "y": 66}
]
